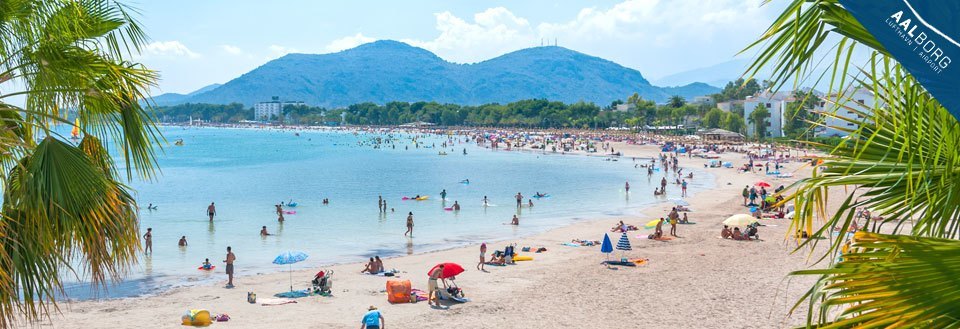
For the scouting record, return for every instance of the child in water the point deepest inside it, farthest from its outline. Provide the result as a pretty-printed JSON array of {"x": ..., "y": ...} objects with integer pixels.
[{"x": 206, "y": 264}]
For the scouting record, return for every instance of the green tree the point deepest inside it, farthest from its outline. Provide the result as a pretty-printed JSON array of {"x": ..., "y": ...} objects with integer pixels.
[
  {"x": 713, "y": 118},
  {"x": 65, "y": 206},
  {"x": 676, "y": 101},
  {"x": 900, "y": 163},
  {"x": 758, "y": 118},
  {"x": 734, "y": 123},
  {"x": 798, "y": 117}
]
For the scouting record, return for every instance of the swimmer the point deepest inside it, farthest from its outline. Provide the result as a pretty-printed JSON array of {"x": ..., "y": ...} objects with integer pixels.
[{"x": 263, "y": 231}]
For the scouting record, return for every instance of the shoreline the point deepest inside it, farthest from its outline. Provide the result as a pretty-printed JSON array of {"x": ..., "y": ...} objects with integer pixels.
[{"x": 353, "y": 292}]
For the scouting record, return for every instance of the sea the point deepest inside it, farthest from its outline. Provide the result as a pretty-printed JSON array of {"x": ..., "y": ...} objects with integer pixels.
[{"x": 245, "y": 172}]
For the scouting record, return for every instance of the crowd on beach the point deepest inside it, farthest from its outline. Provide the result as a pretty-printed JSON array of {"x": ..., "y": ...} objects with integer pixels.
[{"x": 761, "y": 202}]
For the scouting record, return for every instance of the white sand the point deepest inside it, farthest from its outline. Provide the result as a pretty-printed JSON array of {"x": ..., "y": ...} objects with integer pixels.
[{"x": 695, "y": 281}]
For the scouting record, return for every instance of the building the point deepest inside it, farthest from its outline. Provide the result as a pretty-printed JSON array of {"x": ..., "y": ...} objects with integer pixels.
[
  {"x": 852, "y": 106},
  {"x": 719, "y": 136},
  {"x": 729, "y": 105},
  {"x": 625, "y": 107},
  {"x": 272, "y": 110},
  {"x": 775, "y": 103},
  {"x": 702, "y": 100}
]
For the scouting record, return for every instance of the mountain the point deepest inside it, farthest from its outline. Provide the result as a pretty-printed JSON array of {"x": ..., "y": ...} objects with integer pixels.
[
  {"x": 385, "y": 71},
  {"x": 715, "y": 75},
  {"x": 175, "y": 98}
]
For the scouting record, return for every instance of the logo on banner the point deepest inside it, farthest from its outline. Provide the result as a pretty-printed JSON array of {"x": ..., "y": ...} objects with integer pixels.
[{"x": 925, "y": 39}]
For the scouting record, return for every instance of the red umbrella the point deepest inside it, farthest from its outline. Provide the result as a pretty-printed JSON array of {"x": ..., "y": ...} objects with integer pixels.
[
  {"x": 762, "y": 184},
  {"x": 449, "y": 269}
]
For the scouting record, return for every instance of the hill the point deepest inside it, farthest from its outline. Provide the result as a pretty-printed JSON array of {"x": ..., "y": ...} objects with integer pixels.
[
  {"x": 175, "y": 98},
  {"x": 385, "y": 71}
]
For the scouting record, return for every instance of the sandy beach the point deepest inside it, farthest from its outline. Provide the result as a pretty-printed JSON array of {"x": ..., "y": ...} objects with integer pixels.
[{"x": 697, "y": 280}]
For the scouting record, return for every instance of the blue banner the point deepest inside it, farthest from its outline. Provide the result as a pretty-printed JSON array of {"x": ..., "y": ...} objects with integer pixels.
[{"x": 920, "y": 34}]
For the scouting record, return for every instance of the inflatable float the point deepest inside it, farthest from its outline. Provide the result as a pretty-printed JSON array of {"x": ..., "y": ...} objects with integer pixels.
[
  {"x": 292, "y": 204},
  {"x": 448, "y": 208},
  {"x": 197, "y": 318},
  {"x": 522, "y": 258},
  {"x": 207, "y": 269},
  {"x": 289, "y": 212}
]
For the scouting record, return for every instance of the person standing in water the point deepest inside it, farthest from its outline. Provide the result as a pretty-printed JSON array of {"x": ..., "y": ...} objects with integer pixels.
[
  {"x": 519, "y": 199},
  {"x": 443, "y": 194},
  {"x": 380, "y": 203},
  {"x": 211, "y": 211},
  {"x": 148, "y": 241},
  {"x": 409, "y": 225},
  {"x": 627, "y": 186},
  {"x": 486, "y": 201},
  {"x": 515, "y": 220},
  {"x": 183, "y": 241},
  {"x": 683, "y": 188},
  {"x": 230, "y": 259},
  {"x": 663, "y": 183}
]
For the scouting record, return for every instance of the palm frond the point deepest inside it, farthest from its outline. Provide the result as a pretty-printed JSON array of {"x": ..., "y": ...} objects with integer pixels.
[{"x": 890, "y": 281}]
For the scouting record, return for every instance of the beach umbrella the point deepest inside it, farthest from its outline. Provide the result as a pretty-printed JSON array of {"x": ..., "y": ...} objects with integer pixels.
[
  {"x": 289, "y": 258},
  {"x": 623, "y": 244},
  {"x": 651, "y": 224},
  {"x": 449, "y": 270},
  {"x": 739, "y": 220},
  {"x": 606, "y": 247},
  {"x": 762, "y": 184}
]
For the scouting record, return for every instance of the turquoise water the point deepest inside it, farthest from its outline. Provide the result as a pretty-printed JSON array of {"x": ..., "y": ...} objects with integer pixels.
[{"x": 247, "y": 171}]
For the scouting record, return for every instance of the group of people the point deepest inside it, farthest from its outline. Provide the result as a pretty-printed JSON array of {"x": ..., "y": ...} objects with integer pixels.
[
  {"x": 749, "y": 233},
  {"x": 374, "y": 266},
  {"x": 674, "y": 219}
]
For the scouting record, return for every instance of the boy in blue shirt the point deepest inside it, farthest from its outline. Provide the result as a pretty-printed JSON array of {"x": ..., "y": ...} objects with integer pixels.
[{"x": 373, "y": 319}]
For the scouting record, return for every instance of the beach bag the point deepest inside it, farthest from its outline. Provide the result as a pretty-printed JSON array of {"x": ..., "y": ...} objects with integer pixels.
[
  {"x": 398, "y": 291},
  {"x": 251, "y": 298}
]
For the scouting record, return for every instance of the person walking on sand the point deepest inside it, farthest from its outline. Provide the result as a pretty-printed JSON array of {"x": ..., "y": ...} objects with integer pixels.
[
  {"x": 745, "y": 194},
  {"x": 148, "y": 241},
  {"x": 433, "y": 296},
  {"x": 483, "y": 256},
  {"x": 373, "y": 319},
  {"x": 409, "y": 225},
  {"x": 674, "y": 218},
  {"x": 211, "y": 211},
  {"x": 230, "y": 259}
]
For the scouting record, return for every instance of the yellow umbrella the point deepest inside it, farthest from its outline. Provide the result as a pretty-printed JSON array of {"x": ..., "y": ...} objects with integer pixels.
[
  {"x": 739, "y": 220},
  {"x": 651, "y": 224}
]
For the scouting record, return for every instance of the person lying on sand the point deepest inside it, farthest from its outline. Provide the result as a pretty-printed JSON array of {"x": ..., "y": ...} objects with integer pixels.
[{"x": 585, "y": 243}]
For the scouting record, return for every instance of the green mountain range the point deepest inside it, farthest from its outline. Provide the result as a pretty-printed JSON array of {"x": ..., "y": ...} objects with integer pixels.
[{"x": 385, "y": 71}]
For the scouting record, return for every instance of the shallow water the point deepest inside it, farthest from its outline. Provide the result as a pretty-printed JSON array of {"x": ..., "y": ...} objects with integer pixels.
[{"x": 247, "y": 171}]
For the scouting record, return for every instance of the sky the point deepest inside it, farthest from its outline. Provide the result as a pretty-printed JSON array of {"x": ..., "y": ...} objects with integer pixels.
[{"x": 195, "y": 43}]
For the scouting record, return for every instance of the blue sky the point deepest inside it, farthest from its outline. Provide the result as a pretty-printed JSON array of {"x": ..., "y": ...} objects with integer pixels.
[{"x": 199, "y": 42}]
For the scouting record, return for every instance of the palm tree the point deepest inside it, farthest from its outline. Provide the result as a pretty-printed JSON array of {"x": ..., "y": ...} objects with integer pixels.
[
  {"x": 65, "y": 209},
  {"x": 901, "y": 163},
  {"x": 676, "y": 101}
]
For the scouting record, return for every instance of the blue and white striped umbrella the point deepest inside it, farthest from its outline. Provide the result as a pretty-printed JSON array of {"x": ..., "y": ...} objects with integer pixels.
[{"x": 624, "y": 243}]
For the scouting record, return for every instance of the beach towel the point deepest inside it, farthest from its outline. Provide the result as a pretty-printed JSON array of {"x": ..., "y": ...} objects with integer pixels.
[
  {"x": 639, "y": 261},
  {"x": 570, "y": 244},
  {"x": 276, "y": 301},
  {"x": 620, "y": 263},
  {"x": 293, "y": 294}
]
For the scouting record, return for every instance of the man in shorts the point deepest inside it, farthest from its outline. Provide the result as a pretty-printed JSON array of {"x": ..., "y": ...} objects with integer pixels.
[
  {"x": 211, "y": 211},
  {"x": 230, "y": 259},
  {"x": 373, "y": 319}
]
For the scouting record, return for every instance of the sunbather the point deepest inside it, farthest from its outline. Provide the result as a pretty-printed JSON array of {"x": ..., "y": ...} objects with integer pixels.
[
  {"x": 726, "y": 233},
  {"x": 736, "y": 234},
  {"x": 371, "y": 267}
]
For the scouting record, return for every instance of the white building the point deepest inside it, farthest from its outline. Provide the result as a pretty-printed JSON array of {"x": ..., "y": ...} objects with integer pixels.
[
  {"x": 775, "y": 103},
  {"x": 624, "y": 107},
  {"x": 272, "y": 110},
  {"x": 853, "y": 105}
]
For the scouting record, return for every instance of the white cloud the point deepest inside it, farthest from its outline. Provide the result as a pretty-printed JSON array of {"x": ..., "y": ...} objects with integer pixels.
[
  {"x": 492, "y": 32},
  {"x": 348, "y": 42},
  {"x": 232, "y": 50},
  {"x": 169, "y": 49}
]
